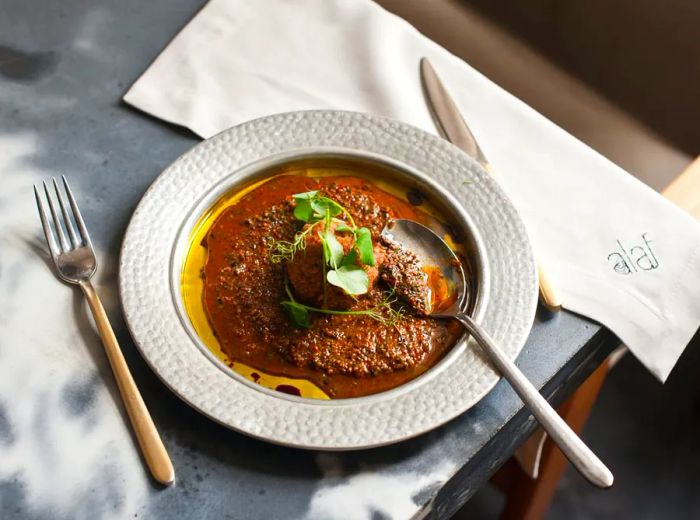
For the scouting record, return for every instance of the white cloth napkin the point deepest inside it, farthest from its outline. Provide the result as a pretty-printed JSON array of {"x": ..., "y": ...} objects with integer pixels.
[{"x": 616, "y": 250}]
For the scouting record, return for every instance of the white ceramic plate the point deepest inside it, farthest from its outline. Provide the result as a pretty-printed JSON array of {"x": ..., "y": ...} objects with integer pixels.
[{"x": 150, "y": 262}]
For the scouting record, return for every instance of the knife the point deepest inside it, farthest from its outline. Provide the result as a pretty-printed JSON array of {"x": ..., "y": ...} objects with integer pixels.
[{"x": 452, "y": 127}]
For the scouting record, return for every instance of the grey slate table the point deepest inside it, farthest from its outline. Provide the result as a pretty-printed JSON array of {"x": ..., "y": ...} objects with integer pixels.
[{"x": 65, "y": 449}]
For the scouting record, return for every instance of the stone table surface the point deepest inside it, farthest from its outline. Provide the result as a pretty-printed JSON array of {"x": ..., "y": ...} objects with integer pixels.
[{"x": 65, "y": 447}]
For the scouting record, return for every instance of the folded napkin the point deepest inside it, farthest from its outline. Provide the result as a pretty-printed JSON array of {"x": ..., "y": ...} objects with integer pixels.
[{"x": 616, "y": 250}]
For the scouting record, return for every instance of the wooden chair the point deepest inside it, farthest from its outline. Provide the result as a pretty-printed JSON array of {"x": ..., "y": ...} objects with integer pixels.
[{"x": 527, "y": 498}]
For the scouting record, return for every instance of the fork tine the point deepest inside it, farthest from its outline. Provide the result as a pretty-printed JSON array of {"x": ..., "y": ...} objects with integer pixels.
[
  {"x": 48, "y": 233},
  {"x": 76, "y": 213},
  {"x": 56, "y": 222},
  {"x": 66, "y": 219}
]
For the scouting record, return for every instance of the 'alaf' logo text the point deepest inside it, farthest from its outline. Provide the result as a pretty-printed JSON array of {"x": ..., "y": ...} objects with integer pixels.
[{"x": 632, "y": 260}]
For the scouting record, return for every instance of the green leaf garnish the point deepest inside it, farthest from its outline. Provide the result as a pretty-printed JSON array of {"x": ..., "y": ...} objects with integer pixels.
[
  {"x": 332, "y": 250},
  {"x": 307, "y": 195},
  {"x": 350, "y": 258},
  {"x": 324, "y": 206},
  {"x": 303, "y": 210},
  {"x": 351, "y": 278},
  {"x": 363, "y": 241},
  {"x": 298, "y": 313}
]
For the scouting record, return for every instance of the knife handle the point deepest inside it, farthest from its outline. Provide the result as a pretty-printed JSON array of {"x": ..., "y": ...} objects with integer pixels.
[{"x": 548, "y": 295}]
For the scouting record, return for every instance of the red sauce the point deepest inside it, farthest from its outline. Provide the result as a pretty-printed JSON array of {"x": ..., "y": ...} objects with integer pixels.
[
  {"x": 346, "y": 356},
  {"x": 441, "y": 297},
  {"x": 288, "y": 389}
]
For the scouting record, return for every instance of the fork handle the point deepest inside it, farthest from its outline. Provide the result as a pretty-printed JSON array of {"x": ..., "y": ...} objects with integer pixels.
[{"x": 148, "y": 438}]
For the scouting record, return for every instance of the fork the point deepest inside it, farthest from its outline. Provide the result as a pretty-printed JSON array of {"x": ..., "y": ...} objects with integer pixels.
[{"x": 75, "y": 263}]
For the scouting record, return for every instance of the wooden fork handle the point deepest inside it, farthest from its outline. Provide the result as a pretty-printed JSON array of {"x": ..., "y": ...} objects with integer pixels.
[{"x": 148, "y": 438}]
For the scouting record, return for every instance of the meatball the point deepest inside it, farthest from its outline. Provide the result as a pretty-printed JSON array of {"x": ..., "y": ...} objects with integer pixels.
[
  {"x": 403, "y": 271},
  {"x": 306, "y": 272}
]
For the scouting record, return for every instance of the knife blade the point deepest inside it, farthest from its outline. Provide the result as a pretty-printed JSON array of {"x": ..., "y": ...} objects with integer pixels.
[
  {"x": 451, "y": 125},
  {"x": 446, "y": 115}
]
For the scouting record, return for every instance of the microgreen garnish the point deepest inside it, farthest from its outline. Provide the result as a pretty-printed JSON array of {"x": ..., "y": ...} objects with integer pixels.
[
  {"x": 352, "y": 278},
  {"x": 280, "y": 250},
  {"x": 330, "y": 220},
  {"x": 341, "y": 269},
  {"x": 363, "y": 241},
  {"x": 384, "y": 312},
  {"x": 332, "y": 249}
]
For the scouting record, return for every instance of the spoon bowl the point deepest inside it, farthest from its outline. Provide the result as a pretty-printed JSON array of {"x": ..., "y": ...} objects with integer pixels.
[{"x": 433, "y": 252}]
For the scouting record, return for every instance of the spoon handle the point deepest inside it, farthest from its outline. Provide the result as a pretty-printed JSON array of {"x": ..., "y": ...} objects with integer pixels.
[{"x": 580, "y": 455}]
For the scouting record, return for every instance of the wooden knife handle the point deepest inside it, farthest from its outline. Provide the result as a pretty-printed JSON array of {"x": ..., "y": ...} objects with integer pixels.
[{"x": 548, "y": 295}]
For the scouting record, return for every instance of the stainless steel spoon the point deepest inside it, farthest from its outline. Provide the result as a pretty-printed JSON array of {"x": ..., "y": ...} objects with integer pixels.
[{"x": 433, "y": 251}]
